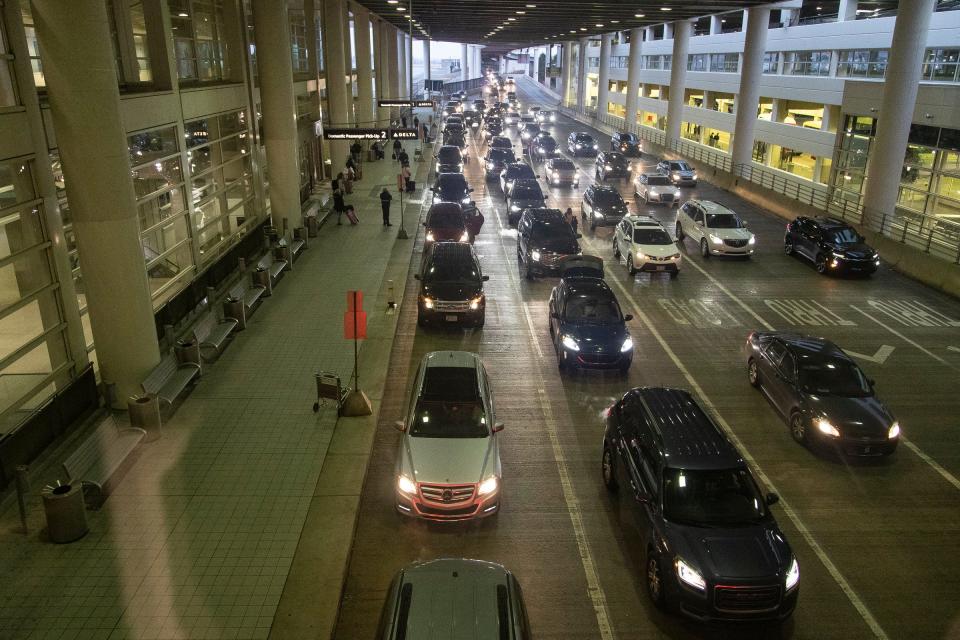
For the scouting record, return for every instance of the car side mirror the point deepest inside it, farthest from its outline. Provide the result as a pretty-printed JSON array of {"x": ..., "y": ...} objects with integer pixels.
[
  {"x": 871, "y": 381},
  {"x": 470, "y": 190},
  {"x": 579, "y": 235},
  {"x": 399, "y": 425},
  {"x": 771, "y": 498},
  {"x": 628, "y": 317},
  {"x": 497, "y": 427},
  {"x": 745, "y": 223},
  {"x": 485, "y": 278}
]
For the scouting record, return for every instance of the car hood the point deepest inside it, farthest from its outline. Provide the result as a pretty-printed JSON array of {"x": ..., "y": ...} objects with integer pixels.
[
  {"x": 449, "y": 460},
  {"x": 730, "y": 234},
  {"x": 757, "y": 551},
  {"x": 596, "y": 338},
  {"x": 854, "y": 417},
  {"x": 611, "y": 209},
  {"x": 526, "y": 203},
  {"x": 451, "y": 290},
  {"x": 550, "y": 144},
  {"x": 857, "y": 250},
  {"x": 561, "y": 246},
  {"x": 657, "y": 250},
  {"x": 683, "y": 174}
]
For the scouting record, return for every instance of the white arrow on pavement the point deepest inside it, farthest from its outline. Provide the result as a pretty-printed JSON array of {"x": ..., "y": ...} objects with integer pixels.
[
  {"x": 878, "y": 358},
  {"x": 957, "y": 349}
]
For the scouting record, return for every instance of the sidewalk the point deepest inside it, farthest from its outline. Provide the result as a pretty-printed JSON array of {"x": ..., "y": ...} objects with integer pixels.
[{"x": 200, "y": 534}]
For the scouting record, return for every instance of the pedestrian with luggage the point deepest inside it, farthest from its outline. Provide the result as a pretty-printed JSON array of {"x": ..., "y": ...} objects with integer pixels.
[
  {"x": 397, "y": 149},
  {"x": 338, "y": 205},
  {"x": 571, "y": 219},
  {"x": 403, "y": 158},
  {"x": 335, "y": 183},
  {"x": 355, "y": 150},
  {"x": 416, "y": 124},
  {"x": 346, "y": 183},
  {"x": 408, "y": 183},
  {"x": 385, "y": 199}
]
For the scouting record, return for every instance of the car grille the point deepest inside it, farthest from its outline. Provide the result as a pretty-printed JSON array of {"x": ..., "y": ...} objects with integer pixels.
[
  {"x": 598, "y": 358},
  {"x": 735, "y": 243},
  {"x": 659, "y": 259},
  {"x": 447, "y": 493},
  {"x": 666, "y": 197},
  {"x": 450, "y": 513},
  {"x": 550, "y": 259},
  {"x": 744, "y": 599},
  {"x": 451, "y": 305}
]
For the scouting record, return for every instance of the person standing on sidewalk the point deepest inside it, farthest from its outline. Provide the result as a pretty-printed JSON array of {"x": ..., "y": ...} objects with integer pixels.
[
  {"x": 338, "y": 205},
  {"x": 407, "y": 175},
  {"x": 385, "y": 199}
]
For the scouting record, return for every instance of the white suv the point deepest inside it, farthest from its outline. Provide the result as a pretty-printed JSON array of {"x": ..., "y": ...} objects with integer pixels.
[
  {"x": 643, "y": 243},
  {"x": 716, "y": 230}
]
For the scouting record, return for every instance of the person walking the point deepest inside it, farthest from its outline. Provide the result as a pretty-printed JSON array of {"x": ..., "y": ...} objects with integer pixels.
[
  {"x": 335, "y": 183},
  {"x": 397, "y": 148},
  {"x": 416, "y": 124},
  {"x": 571, "y": 219},
  {"x": 385, "y": 199},
  {"x": 403, "y": 122},
  {"x": 407, "y": 175},
  {"x": 403, "y": 158},
  {"x": 356, "y": 149},
  {"x": 346, "y": 182},
  {"x": 338, "y": 205}
]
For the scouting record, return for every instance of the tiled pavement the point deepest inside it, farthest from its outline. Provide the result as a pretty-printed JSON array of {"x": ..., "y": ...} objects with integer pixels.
[{"x": 198, "y": 538}]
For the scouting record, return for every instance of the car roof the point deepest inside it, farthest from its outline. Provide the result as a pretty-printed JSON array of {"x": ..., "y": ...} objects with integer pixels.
[
  {"x": 516, "y": 166},
  {"x": 448, "y": 250},
  {"x": 713, "y": 207},
  {"x": 463, "y": 359},
  {"x": 811, "y": 346},
  {"x": 604, "y": 188},
  {"x": 688, "y": 437},
  {"x": 581, "y": 134},
  {"x": 540, "y": 214},
  {"x": 526, "y": 182},
  {"x": 643, "y": 221},
  {"x": 830, "y": 223}
]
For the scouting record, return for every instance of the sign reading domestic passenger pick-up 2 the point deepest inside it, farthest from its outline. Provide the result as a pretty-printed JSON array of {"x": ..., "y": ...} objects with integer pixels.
[
  {"x": 412, "y": 104},
  {"x": 369, "y": 134}
]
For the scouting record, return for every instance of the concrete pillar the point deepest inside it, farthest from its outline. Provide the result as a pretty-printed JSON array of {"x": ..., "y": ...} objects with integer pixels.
[
  {"x": 566, "y": 71},
  {"x": 678, "y": 79},
  {"x": 464, "y": 63},
  {"x": 715, "y": 25},
  {"x": 393, "y": 52},
  {"x": 748, "y": 96},
  {"x": 408, "y": 67},
  {"x": 348, "y": 63},
  {"x": 582, "y": 73},
  {"x": 81, "y": 80},
  {"x": 633, "y": 74},
  {"x": 366, "y": 107},
  {"x": 648, "y": 33},
  {"x": 401, "y": 46},
  {"x": 848, "y": 10},
  {"x": 426, "y": 59},
  {"x": 885, "y": 163},
  {"x": 381, "y": 31},
  {"x": 336, "y": 78},
  {"x": 603, "y": 85}
]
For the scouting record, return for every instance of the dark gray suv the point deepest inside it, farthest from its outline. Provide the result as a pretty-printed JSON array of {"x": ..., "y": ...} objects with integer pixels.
[{"x": 713, "y": 549}]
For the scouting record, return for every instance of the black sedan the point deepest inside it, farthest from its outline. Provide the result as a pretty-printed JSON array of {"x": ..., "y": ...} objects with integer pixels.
[
  {"x": 602, "y": 206},
  {"x": 449, "y": 159},
  {"x": 496, "y": 161},
  {"x": 832, "y": 245},
  {"x": 612, "y": 164},
  {"x": 524, "y": 194},
  {"x": 451, "y": 187},
  {"x": 587, "y": 328},
  {"x": 822, "y": 393},
  {"x": 542, "y": 147},
  {"x": 626, "y": 143}
]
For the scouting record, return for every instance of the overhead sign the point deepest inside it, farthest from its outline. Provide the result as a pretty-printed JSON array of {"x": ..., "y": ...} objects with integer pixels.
[
  {"x": 403, "y": 134},
  {"x": 369, "y": 134},
  {"x": 417, "y": 104}
]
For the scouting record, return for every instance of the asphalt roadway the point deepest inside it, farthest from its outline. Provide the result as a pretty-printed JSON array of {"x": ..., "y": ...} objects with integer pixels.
[{"x": 878, "y": 541}]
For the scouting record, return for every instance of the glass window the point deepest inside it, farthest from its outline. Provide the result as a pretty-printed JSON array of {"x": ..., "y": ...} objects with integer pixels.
[
  {"x": 199, "y": 39},
  {"x": 862, "y": 63},
  {"x": 724, "y": 62},
  {"x": 807, "y": 63},
  {"x": 801, "y": 114},
  {"x": 152, "y": 145},
  {"x": 33, "y": 47},
  {"x": 697, "y": 62},
  {"x": 722, "y": 102},
  {"x": 941, "y": 65},
  {"x": 771, "y": 62},
  {"x": 298, "y": 41},
  {"x": 8, "y": 92}
]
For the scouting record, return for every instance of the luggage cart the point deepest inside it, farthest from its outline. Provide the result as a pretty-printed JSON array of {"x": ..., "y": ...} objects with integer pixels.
[{"x": 329, "y": 388}]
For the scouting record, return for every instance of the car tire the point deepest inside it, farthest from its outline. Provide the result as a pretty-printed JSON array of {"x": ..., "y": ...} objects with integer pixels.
[
  {"x": 527, "y": 272},
  {"x": 704, "y": 248},
  {"x": 798, "y": 428},
  {"x": 680, "y": 235},
  {"x": 616, "y": 249},
  {"x": 608, "y": 470},
  {"x": 583, "y": 215},
  {"x": 421, "y": 321},
  {"x": 654, "y": 580},
  {"x": 674, "y": 274},
  {"x": 632, "y": 270},
  {"x": 753, "y": 373},
  {"x": 821, "y": 264},
  {"x": 788, "y": 246}
]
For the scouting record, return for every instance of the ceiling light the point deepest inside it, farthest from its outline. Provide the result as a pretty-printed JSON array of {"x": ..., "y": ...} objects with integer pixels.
[
  {"x": 531, "y": 6},
  {"x": 401, "y": 9},
  {"x": 614, "y": 22},
  {"x": 573, "y": 30},
  {"x": 639, "y": 15},
  {"x": 520, "y": 13},
  {"x": 511, "y": 19},
  {"x": 599, "y": 24},
  {"x": 184, "y": 14},
  {"x": 665, "y": 9},
  {"x": 583, "y": 28}
]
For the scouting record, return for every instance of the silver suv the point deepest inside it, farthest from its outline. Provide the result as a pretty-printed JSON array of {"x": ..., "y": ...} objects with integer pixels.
[
  {"x": 448, "y": 461},
  {"x": 718, "y": 231},
  {"x": 643, "y": 243}
]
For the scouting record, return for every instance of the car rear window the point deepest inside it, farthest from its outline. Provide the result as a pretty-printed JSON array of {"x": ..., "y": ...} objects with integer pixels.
[
  {"x": 502, "y": 155},
  {"x": 449, "y": 156},
  {"x": 445, "y": 218},
  {"x": 658, "y": 181},
  {"x": 563, "y": 165},
  {"x": 526, "y": 192},
  {"x": 449, "y": 405}
]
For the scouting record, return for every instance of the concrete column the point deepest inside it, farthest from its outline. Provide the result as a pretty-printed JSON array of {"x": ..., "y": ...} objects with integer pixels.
[
  {"x": 848, "y": 10},
  {"x": 603, "y": 84},
  {"x": 348, "y": 63},
  {"x": 715, "y": 25},
  {"x": 648, "y": 34},
  {"x": 408, "y": 63},
  {"x": 748, "y": 96},
  {"x": 402, "y": 84},
  {"x": 896, "y": 109},
  {"x": 336, "y": 78},
  {"x": 381, "y": 31},
  {"x": 464, "y": 63},
  {"x": 81, "y": 81},
  {"x": 633, "y": 74},
  {"x": 426, "y": 59},
  {"x": 393, "y": 54},
  {"x": 566, "y": 70},
  {"x": 366, "y": 107},
  {"x": 582, "y": 73},
  {"x": 678, "y": 79}
]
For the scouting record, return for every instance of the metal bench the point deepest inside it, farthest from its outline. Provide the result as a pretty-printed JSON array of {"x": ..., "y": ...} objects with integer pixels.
[
  {"x": 297, "y": 243},
  {"x": 212, "y": 333},
  {"x": 251, "y": 296},
  {"x": 169, "y": 378},
  {"x": 274, "y": 266},
  {"x": 99, "y": 457}
]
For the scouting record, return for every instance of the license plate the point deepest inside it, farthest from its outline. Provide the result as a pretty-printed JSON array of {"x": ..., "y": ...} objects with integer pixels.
[
  {"x": 452, "y": 318},
  {"x": 660, "y": 267}
]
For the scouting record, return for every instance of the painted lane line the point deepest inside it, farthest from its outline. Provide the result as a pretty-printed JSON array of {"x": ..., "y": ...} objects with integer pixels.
[
  {"x": 743, "y": 305},
  {"x": 878, "y": 358},
  {"x": 516, "y": 284},
  {"x": 812, "y": 542},
  {"x": 946, "y": 475},
  {"x": 957, "y": 349},
  {"x": 904, "y": 338}
]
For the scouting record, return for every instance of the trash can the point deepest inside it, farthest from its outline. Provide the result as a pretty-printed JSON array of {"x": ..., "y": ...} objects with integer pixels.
[
  {"x": 313, "y": 226},
  {"x": 65, "y": 511},
  {"x": 282, "y": 252},
  {"x": 261, "y": 278},
  {"x": 145, "y": 414},
  {"x": 234, "y": 308},
  {"x": 187, "y": 350}
]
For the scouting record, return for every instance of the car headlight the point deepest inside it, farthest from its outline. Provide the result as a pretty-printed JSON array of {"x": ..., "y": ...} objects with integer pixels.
[
  {"x": 430, "y": 236},
  {"x": 476, "y": 302},
  {"x": 553, "y": 118},
  {"x": 556, "y": 176},
  {"x": 675, "y": 256},
  {"x": 597, "y": 214},
  {"x": 693, "y": 175},
  {"x": 465, "y": 200},
  {"x": 594, "y": 146},
  {"x": 438, "y": 167},
  {"x": 428, "y": 302},
  {"x": 539, "y": 149},
  {"x": 488, "y": 486},
  {"x": 894, "y": 431},
  {"x": 570, "y": 343},
  {"x": 579, "y": 146},
  {"x": 535, "y": 256},
  {"x": 514, "y": 207},
  {"x": 490, "y": 166},
  {"x": 793, "y": 576},
  {"x": 690, "y": 576},
  {"x": 676, "y": 194},
  {"x": 436, "y": 199},
  {"x": 752, "y": 240},
  {"x": 475, "y": 124},
  {"x": 606, "y": 166},
  {"x": 465, "y": 237},
  {"x": 627, "y": 345},
  {"x": 715, "y": 239},
  {"x": 676, "y": 176},
  {"x": 825, "y": 427},
  {"x": 406, "y": 485},
  {"x": 641, "y": 255}
]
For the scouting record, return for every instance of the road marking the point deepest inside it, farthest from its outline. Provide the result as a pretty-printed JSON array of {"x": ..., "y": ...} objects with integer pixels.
[
  {"x": 597, "y": 596},
  {"x": 946, "y": 475},
  {"x": 703, "y": 314},
  {"x": 911, "y": 313},
  {"x": 957, "y": 349},
  {"x": 905, "y": 338},
  {"x": 878, "y": 358},
  {"x": 516, "y": 286},
  {"x": 834, "y": 571},
  {"x": 806, "y": 312},
  {"x": 766, "y": 325}
]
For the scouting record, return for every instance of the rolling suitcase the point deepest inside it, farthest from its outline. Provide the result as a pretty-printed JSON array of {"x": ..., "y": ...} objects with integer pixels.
[
  {"x": 411, "y": 186},
  {"x": 352, "y": 216}
]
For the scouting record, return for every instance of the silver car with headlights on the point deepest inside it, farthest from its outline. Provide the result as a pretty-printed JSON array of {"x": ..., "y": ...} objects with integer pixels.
[{"x": 448, "y": 463}]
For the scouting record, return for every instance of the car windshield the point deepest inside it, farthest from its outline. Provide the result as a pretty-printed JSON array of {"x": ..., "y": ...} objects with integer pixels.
[
  {"x": 844, "y": 236},
  {"x": 454, "y": 182},
  {"x": 456, "y": 270},
  {"x": 833, "y": 377},
  {"x": 501, "y": 155},
  {"x": 627, "y": 137},
  {"x": 449, "y": 405},
  {"x": 556, "y": 229},
  {"x": 723, "y": 221},
  {"x": 522, "y": 172},
  {"x": 592, "y": 309},
  {"x": 562, "y": 165},
  {"x": 449, "y": 156},
  {"x": 608, "y": 198},
  {"x": 680, "y": 166},
  {"x": 584, "y": 139},
  {"x": 526, "y": 192},
  {"x": 711, "y": 498},
  {"x": 658, "y": 181},
  {"x": 651, "y": 236},
  {"x": 445, "y": 220},
  {"x": 616, "y": 158}
]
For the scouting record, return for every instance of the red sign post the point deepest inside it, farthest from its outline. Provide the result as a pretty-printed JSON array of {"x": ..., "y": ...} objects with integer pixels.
[{"x": 355, "y": 328}]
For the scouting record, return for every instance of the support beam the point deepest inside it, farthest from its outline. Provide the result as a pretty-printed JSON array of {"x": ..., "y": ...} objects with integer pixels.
[
  {"x": 336, "y": 77},
  {"x": 566, "y": 71},
  {"x": 848, "y": 10},
  {"x": 582, "y": 73},
  {"x": 603, "y": 73},
  {"x": 464, "y": 63},
  {"x": 633, "y": 74},
  {"x": 366, "y": 107},
  {"x": 748, "y": 96},
  {"x": 678, "y": 79}
]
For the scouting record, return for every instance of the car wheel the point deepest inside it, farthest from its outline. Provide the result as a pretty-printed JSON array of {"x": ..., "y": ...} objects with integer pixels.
[
  {"x": 583, "y": 214},
  {"x": 421, "y": 321},
  {"x": 527, "y": 273},
  {"x": 753, "y": 373},
  {"x": 679, "y": 232},
  {"x": 607, "y": 470},
  {"x": 798, "y": 429},
  {"x": 630, "y": 268},
  {"x": 616, "y": 250},
  {"x": 704, "y": 248},
  {"x": 674, "y": 274},
  {"x": 788, "y": 246},
  {"x": 655, "y": 586},
  {"x": 821, "y": 264}
]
